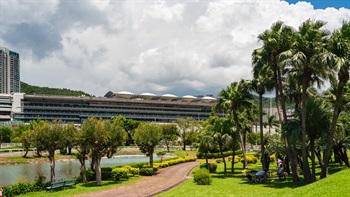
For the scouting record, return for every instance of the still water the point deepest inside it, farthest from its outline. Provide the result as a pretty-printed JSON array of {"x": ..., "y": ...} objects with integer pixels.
[{"x": 10, "y": 174}]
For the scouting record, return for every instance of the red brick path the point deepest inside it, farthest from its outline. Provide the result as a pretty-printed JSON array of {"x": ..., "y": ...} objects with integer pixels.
[{"x": 166, "y": 179}]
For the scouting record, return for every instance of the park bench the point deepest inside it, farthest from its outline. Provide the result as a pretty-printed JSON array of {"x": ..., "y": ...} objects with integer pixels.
[{"x": 61, "y": 184}]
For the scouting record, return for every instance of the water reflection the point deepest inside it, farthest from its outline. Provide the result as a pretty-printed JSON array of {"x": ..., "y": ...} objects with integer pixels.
[{"x": 10, "y": 174}]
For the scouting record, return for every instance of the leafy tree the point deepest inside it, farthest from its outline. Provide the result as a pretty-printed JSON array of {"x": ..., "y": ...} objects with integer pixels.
[
  {"x": 51, "y": 137},
  {"x": 104, "y": 138},
  {"x": 129, "y": 126},
  {"x": 170, "y": 133},
  {"x": 147, "y": 137},
  {"x": 81, "y": 141},
  {"x": 69, "y": 131},
  {"x": 5, "y": 134}
]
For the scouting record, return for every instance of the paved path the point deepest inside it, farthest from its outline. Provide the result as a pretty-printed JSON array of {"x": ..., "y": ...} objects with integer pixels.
[{"x": 166, "y": 179}]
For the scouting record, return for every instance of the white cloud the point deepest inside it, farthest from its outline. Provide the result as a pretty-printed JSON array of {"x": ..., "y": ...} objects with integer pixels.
[{"x": 178, "y": 47}]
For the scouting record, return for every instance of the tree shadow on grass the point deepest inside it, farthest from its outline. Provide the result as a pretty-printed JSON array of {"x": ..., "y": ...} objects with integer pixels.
[{"x": 93, "y": 183}]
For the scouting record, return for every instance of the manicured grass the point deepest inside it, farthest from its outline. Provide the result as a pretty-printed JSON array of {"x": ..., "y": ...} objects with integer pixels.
[
  {"x": 82, "y": 188},
  {"x": 336, "y": 184}
]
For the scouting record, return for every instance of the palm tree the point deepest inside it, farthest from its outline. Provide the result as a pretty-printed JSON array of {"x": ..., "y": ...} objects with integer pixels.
[
  {"x": 339, "y": 46},
  {"x": 314, "y": 127},
  {"x": 260, "y": 84},
  {"x": 306, "y": 61},
  {"x": 220, "y": 128},
  {"x": 268, "y": 58},
  {"x": 206, "y": 144},
  {"x": 271, "y": 122},
  {"x": 236, "y": 99}
]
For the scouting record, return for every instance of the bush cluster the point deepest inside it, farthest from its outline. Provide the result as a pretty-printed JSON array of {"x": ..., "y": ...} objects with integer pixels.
[
  {"x": 237, "y": 158},
  {"x": 202, "y": 177},
  {"x": 211, "y": 166},
  {"x": 251, "y": 159},
  {"x": 22, "y": 187}
]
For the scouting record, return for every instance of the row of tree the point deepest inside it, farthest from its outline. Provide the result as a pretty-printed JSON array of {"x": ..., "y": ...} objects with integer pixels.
[
  {"x": 290, "y": 62},
  {"x": 97, "y": 138}
]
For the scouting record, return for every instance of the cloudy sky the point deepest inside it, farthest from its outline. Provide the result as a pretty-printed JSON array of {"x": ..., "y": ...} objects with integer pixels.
[{"x": 194, "y": 47}]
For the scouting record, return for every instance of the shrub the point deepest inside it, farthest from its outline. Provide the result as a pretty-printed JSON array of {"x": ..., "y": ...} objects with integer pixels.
[
  {"x": 7, "y": 191},
  {"x": 120, "y": 173},
  {"x": 146, "y": 171},
  {"x": 21, "y": 187},
  {"x": 90, "y": 175},
  {"x": 237, "y": 159},
  {"x": 106, "y": 173},
  {"x": 202, "y": 177},
  {"x": 272, "y": 158},
  {"x": 250, "y": 159},
  {"x": 39, "y": 183},
  {"x": 211, "y": 166},
  {"x": 218, "y": 160}
]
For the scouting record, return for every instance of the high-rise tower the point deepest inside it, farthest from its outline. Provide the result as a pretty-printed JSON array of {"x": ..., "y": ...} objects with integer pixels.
[{"x": 9, "y": 71}]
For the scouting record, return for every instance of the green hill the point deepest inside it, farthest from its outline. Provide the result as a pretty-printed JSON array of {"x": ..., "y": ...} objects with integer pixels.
[{"x": 29, "y": 89}]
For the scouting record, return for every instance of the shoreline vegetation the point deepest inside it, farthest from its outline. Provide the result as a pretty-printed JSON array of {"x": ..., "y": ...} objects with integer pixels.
[{"x": 17, "y": 157}]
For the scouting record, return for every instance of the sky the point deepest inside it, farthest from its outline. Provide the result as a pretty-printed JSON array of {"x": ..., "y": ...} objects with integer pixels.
[{"x": 192, "y": 47}]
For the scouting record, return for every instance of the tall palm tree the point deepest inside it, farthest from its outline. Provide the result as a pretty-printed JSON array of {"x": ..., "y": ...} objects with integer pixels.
[
  {"x": 306, "y": 61},
  {"x": 339, "y": 46},
  {"x": 276, "y": 41},
  {"x": 236, "y": 99},
  {"x": 261, "y": 83}
]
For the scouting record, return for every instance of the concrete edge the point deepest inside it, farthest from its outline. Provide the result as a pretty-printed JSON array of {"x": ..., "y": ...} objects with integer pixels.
[{"x": 186, "y": 177}]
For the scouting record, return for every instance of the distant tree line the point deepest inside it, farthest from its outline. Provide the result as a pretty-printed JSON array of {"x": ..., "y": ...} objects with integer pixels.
[{"x": 29, "y": 89}]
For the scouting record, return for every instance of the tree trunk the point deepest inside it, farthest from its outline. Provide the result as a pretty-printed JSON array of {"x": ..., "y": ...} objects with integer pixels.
[
  {"x": 328, "y": 150},
  {"x": 151, "y": 157},
  {"x": 233, "y": 156},
  {"x": 223, "y": 159},
  {"x": 344, "y": 157},
  {"x": 167, "y": 146},
  {"x": 306, "y": 168},
  {"x": 82, "y": 167},
  {"x": 25, "y": 154},
  {"x": 277, "y": 97},
  {"x": 92, "y": 164},
  {"x": 312, "y": 150},
  {"x": 206, "y": 161},
  {"x": 243, "y": 149},
  {"x": 52, "y": 165},
  {"x": 98, "y": 172},
  {"x": 261, "y": 133}
]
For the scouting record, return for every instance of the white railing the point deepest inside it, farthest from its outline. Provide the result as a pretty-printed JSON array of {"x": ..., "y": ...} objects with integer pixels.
[{"x": 6, "y": 145}]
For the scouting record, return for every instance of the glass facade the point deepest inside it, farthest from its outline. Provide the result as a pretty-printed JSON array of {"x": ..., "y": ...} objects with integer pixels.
[{"x": 9, "y": 71}]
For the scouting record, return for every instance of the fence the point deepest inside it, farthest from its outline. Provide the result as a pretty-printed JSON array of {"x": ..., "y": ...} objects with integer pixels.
[{"x": 6, "y": 145}]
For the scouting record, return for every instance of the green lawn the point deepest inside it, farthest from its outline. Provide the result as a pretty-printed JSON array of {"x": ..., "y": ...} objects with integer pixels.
[
  {"x": 336, "y": 184},
  {"x": 82, "y": 188}
]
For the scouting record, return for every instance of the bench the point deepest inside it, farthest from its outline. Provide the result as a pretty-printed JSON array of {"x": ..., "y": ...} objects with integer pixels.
[{"x": 61, "y": 184}]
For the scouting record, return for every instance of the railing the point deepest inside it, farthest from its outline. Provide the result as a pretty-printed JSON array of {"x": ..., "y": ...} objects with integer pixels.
[{"x": 6, "y": 145}]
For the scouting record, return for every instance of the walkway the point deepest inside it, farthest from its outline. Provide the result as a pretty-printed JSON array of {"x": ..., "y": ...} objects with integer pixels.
[{"x": 166, "y": 179}]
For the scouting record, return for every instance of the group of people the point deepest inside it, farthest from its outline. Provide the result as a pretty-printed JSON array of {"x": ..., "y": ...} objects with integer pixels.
[{"x": 261, "y": 175}]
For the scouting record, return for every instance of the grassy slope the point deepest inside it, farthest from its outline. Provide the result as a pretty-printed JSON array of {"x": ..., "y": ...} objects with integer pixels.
[{"x": 335, "y": 185}]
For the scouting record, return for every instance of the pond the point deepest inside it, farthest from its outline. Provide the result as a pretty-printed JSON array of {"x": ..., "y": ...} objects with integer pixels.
[{"x": 10, "y": 174}]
